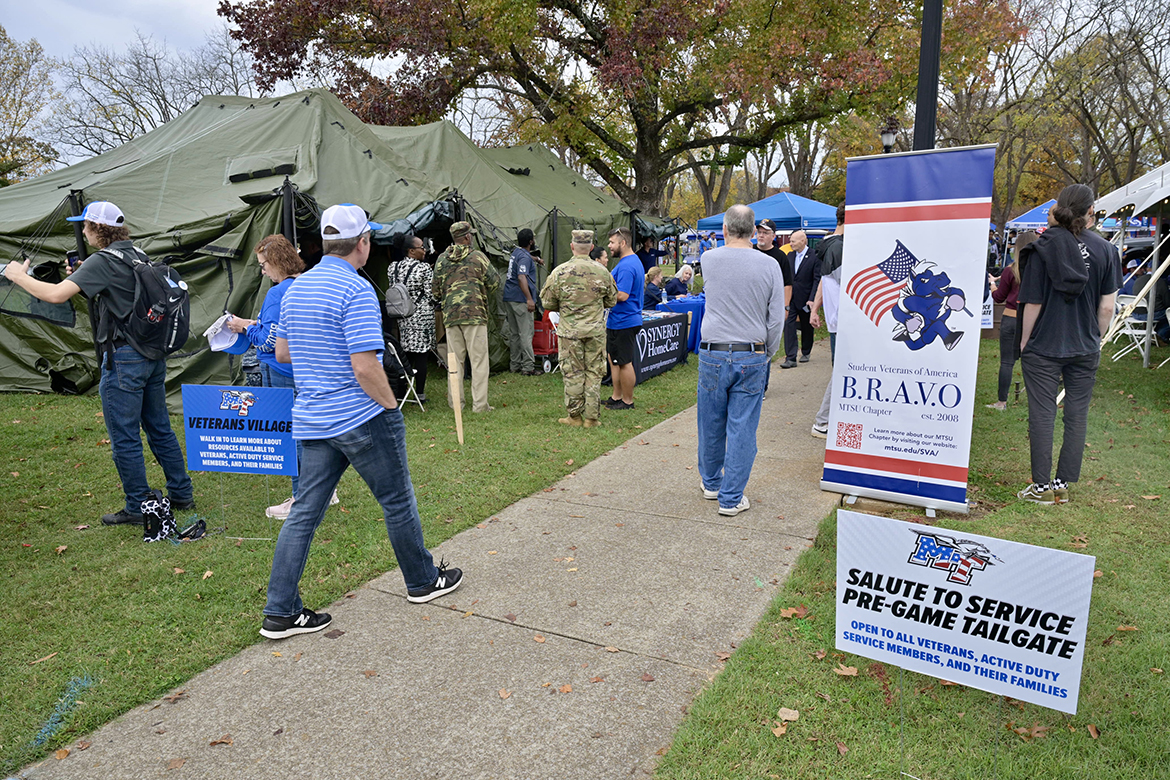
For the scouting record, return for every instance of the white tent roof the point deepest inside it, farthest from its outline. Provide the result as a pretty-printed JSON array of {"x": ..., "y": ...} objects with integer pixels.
[{"x": 1143, "y": 193}]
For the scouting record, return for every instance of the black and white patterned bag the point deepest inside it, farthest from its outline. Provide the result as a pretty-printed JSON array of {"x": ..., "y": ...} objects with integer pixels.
[{"x": 158, "y": 520}]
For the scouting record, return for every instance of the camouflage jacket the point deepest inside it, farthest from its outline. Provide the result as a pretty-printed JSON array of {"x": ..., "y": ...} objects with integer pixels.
[
  {"x": 581, "y": 290},
  {"x": 465, "y": 285}
]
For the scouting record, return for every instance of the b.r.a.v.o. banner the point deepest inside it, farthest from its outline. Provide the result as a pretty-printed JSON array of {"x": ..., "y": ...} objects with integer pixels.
[
  {"x": 242, "y": 429},
  {"x": 913, "y": 275},
  {"x": 1001, "y": 616}
]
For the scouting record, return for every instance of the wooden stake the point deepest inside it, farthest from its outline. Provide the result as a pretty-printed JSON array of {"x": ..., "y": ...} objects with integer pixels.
[{"x": 456, "y": 386}]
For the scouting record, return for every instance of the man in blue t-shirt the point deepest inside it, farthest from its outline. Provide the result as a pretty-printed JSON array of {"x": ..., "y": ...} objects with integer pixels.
[
  {"x": 520, "y": 290},
  {"x": 344, "y": 414},
  {"x": 621, "y": 330}
]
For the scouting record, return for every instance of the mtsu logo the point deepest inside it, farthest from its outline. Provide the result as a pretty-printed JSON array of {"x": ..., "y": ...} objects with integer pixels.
[
  {"x": 237, "y": 400},
  {"x": 958, "y": 557}
]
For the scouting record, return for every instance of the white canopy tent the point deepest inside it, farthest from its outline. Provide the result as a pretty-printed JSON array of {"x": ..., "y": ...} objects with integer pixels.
[{"x": 1150, "y": 195}]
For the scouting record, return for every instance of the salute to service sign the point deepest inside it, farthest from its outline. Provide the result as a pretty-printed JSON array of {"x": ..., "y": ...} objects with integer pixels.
[
  {"x": 247, "y": 430},
  {"x": 1004, "y": 617}
]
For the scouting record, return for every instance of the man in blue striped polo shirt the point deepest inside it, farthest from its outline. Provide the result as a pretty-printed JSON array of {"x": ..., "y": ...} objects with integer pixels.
[{"x": 345, "y": 413}]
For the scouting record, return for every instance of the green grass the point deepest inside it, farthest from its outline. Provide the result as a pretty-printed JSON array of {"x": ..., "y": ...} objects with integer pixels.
[
  {"x": 113, "y": 608},
  {"x": 891, "y": 721}
]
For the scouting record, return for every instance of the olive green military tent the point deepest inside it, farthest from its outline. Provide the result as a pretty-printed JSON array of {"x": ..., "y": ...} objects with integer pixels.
[
  {"x": 199, "y": 192},
  {"x": 511, "y": 188}
]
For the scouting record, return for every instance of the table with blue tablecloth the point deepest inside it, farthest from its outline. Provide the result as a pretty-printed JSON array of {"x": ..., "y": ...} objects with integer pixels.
[{"x": 695, "y": 305}]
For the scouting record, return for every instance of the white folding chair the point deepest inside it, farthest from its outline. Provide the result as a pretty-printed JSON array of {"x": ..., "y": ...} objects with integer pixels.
[
  {"x": 411, "y": 396},
  {"x": 1132, "y": 332}
]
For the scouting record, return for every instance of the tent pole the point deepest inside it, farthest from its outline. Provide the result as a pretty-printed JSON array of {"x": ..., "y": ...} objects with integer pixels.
[
  {"x": 287, "y": 220},
  {"x": 78, "y": 230},
  {"x": 552, "y": 260}
]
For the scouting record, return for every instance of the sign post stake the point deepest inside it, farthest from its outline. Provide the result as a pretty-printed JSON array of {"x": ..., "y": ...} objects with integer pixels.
[{"x": 456, "y": 394}]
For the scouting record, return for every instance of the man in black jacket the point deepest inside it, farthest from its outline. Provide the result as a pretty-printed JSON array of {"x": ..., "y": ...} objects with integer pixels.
[{"x": 806, "y": 278}]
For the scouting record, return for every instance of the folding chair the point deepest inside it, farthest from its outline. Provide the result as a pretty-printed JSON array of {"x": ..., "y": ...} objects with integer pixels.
[
  {"x": 554, "y": 319},
  {"x": 1132, "y": 332},
  {"x": 408, "y": 372}
]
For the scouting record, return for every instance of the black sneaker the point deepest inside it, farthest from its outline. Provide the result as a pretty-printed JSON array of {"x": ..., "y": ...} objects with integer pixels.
[
  {"x": 447, "y": 581},
  {"x": 620, "y": 405},
  {"x": 305, "y": 623},
  {"x": 610, "y": 403},
  {"x": 182, "y": 506},
  {"x": 121, "y": 517}
]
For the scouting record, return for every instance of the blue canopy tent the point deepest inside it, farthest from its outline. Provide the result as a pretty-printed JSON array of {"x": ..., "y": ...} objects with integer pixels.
[
  {"x": 1033, "y": 220},
  {"x": 788, "y": 211}
]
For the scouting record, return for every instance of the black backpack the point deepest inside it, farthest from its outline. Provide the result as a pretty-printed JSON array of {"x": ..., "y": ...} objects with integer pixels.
[{"x": 160, "y": 319}]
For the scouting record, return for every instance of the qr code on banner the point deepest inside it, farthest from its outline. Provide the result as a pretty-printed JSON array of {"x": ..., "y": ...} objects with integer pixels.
[{"x": 849, "y": 435}]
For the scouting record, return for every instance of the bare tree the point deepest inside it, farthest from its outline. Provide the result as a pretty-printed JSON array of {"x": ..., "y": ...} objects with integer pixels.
[
  {"x": 26, "y": 89},
  {"x": 112, "y": 97}
]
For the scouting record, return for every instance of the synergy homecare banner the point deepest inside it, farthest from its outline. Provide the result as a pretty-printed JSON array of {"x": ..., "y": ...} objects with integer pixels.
[
  {"x": 913, "y": 276},
  {"x": 247, "y": 430},
  {"x": 1001, "y": 616}
]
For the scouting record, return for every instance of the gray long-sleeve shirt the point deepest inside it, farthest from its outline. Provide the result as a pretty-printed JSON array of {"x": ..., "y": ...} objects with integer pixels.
[{"x": 745, "y": 298}]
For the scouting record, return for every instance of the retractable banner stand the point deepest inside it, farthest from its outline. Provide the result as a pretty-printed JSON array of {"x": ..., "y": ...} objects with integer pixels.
[
  {"x": 247, "y": 430},
  {"x": 913, "y": 275},
  {"x": 1000, "y": 616}
]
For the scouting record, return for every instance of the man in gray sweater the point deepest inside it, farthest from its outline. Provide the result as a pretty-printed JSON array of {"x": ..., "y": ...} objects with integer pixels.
[{"x": 741, "y": 330}]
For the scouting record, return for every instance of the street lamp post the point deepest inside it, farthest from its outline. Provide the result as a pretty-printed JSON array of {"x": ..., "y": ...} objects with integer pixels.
[{"x": 889, "y": 134}]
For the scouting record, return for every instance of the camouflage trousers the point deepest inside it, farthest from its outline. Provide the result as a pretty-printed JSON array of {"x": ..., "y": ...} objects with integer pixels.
[{"x": 583, "y": 365}]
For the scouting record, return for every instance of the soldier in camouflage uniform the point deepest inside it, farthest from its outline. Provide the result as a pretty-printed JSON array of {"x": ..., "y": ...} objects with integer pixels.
[
  {"x": 581, "y": 290},
  {"x": 465, "y": 286}
]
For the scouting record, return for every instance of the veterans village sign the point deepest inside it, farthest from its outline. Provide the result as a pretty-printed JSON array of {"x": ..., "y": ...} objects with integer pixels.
[
  {"x": 1000, "y": 616},
  {"x": 247, "y": 430}
]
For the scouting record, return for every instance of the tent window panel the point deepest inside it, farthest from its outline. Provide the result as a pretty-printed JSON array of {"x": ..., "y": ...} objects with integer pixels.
[
  {"x": 17, "y": 303},
  {"x": 279, "y": 162}
]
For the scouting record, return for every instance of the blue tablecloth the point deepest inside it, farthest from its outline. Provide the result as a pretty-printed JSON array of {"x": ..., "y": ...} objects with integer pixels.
[{"x": 696, "y": 305}]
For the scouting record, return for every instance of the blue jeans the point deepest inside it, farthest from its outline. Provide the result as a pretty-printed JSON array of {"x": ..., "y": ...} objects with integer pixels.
[
  {"x": 269, "y": 377},
  {"x": 731, "y": 389},
  {"x": 377, "y": 451},
  {"x": 134, "y": 396}
]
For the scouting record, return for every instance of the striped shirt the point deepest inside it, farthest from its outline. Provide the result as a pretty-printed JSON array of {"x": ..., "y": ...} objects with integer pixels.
[{"x": 328, "y": 314}]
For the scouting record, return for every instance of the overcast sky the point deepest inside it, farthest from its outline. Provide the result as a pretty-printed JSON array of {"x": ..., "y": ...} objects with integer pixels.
[{"x": 60, "y": 25}]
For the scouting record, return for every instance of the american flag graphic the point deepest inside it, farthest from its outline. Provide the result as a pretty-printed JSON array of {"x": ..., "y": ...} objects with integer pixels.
[{"x": 875, "y": 290}]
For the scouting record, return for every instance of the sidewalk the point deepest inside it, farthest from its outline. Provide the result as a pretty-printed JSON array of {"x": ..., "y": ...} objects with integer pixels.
[{"x": 591, "y": 617}]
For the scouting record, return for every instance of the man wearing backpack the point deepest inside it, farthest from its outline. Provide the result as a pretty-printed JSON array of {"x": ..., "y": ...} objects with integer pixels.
[{"x": 132, "y": 386}]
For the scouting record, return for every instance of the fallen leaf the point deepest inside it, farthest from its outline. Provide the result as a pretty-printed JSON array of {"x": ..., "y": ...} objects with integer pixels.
[
  {"x": 572, "y": 603},
  {"x": 206, "y": 574},
  {"x": 781, "y": 729},
  {"x": 569, "y": 462},
  {"x": 80, "y": 527},
  {"x": 791, "y": 612},
  {"x": 277, "y": 654},
  {"x": 297, "y": 657},
  {"x": 334, "y": 633},
  {"x": 46, "y": 658},
  {"x": 278, "y": 732},
  {"x": 505, "y": 693},
  {"x": 824, "y": 696},
  {"x": 493, "y": 552},
  {"x": 83, "y": 745},
  {"x": 947, "y": 683},
  {"x": 62, "y": 548},
  {"x": 841, "y": 748},
  {"x": 510, "y": 617},
  {"x": 176, "y": 763},
  {"x": 723, "y": 656},
  {"x": 180, "y": 571},
  {"x": 647, "y": 677},
  {"x": 820, "y": 655},
  {"x": 596, "y": 679},
  {"x": 1151, "y": 498},
  {"x": 608, "y": 650},
  {"x": 1093, "y": 732},
  {"x": 103, "y": 442},
  {"x": 226, "y": 739},
  {"x": 787, "y": 714},
  {"x": 1155, "y": 670},
  {"x": 1097, "y": 574},
  {"x": 538, "y": 638},
  {"x": 1127, "y": 628},
  {"x": 370, "y": 673},
  {"x": 174, "y": 697},
  {"x": 846, "y": 671},
  {"x": 15, "y": 473},
  {"x": 566, "y": 688},
  {"x": 61, "y": 754}
]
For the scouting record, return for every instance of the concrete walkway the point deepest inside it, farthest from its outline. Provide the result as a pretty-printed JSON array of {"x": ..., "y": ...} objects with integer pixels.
[{"x": 592, "y": 616}]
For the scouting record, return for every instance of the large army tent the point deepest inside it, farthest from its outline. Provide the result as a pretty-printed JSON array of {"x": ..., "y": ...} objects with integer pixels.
[
  {"x": 510, "y": 188},
  {"x": 199, "y": 191}
]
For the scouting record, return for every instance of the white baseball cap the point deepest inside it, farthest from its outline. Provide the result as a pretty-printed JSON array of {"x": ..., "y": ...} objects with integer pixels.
[
  {"x": 220, "y": 339},
  {"x": 102, "y": 212},
  {"x": 348, "y": 220}
]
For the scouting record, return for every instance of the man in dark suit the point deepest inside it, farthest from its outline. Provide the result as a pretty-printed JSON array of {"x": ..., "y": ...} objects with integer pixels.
[{"x": 806, "y": 278}]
